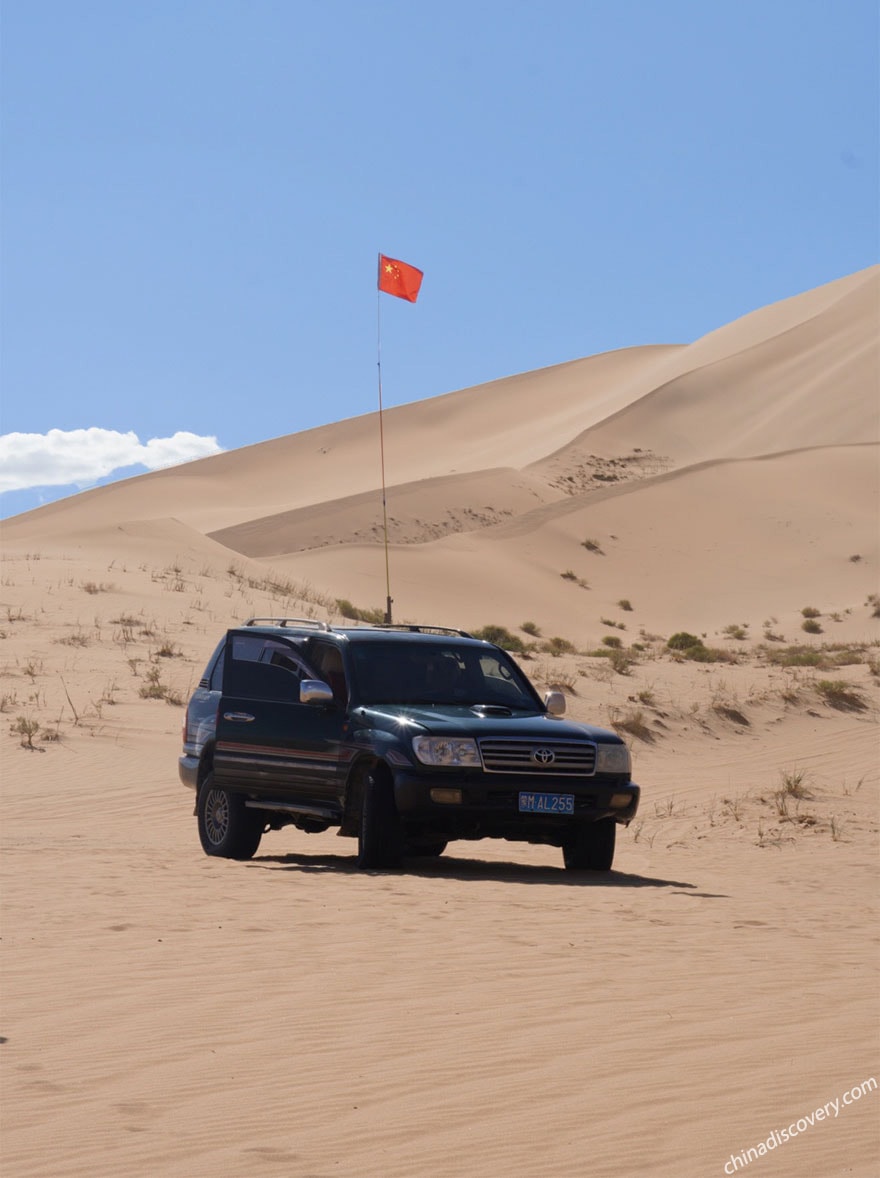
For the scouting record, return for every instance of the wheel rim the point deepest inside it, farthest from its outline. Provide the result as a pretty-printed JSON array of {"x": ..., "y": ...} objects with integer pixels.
[{"x": 216, "y": 816}]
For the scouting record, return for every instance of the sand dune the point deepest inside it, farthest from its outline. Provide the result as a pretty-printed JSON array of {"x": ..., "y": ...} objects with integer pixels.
[
  {"x": 169, "y": 1014},
  {"x": 808, "y": 385},
  {"x": 470, "y": 430},
  {"x": 466, "y": 503},
  {"x": 698, "y": 549}
]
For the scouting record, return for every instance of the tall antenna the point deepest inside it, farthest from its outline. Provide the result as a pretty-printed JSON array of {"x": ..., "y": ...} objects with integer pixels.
[
  {"x": 382, "y": 453},
  {"x": 403, "y": 281}
]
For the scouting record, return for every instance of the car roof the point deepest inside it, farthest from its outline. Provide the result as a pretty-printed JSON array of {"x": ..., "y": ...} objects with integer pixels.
[{"x": 300, "y": 628}]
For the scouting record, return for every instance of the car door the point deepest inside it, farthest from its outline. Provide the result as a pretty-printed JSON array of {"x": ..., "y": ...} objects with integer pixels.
[{"x": 269, "y": 745}]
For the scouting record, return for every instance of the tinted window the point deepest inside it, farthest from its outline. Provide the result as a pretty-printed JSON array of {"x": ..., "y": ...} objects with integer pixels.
[
  {"x": 401, "y": 672},
  {"x": 262, "y": 668},
  {"x": 327, "y": 661},
  {"x": 216, "y": 683}
]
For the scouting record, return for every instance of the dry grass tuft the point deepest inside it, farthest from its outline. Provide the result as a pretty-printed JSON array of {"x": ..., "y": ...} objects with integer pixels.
[
  {"x": 837, "y": 693},
  {"x": 633, "y": 722}
]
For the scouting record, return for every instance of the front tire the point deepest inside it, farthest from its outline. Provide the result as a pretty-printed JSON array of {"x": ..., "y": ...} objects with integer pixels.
[
  {"x": 380, "y": 837},
  {"x": 591, "y": 847},
  {"x": 227, "y": 828}
]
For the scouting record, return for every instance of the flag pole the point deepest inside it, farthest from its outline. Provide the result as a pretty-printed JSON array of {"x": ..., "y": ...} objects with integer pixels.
[{"x": 382, "y": 451}]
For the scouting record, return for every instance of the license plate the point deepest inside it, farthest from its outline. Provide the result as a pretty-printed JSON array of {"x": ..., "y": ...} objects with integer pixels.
[{"x": 546, "y": 803}]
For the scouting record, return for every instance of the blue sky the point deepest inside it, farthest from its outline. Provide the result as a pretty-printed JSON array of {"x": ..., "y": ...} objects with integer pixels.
[{"x": 194, "y": 194}]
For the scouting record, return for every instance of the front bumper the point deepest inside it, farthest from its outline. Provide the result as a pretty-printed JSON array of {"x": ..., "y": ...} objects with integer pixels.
[{"x": 489, "y": 806}]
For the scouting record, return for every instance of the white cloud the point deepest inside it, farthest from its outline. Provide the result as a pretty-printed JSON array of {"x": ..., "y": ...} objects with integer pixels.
[{"x": 60, "y": 457}]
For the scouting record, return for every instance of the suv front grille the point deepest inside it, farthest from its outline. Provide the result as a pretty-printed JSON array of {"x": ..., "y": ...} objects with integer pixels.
[{"x": 557, "y": 757}]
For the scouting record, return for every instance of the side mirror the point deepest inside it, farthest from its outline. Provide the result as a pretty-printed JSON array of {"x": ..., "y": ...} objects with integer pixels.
[
  {"x": 313, "y": 691},
  {"x": 554, "y": 702}
]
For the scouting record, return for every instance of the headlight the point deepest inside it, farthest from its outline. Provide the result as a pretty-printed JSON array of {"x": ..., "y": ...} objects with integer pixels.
[
  {"x": 443, "y": 750},
  {"x": 612, "y": 758}
]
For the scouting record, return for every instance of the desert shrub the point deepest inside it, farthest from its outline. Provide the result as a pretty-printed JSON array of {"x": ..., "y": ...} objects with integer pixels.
[
  {"x": 842, "y": 654},
  {"x": 709, "y": 654},
  {"x": 592, "y": 546},
  {"x": 795, "y": 656},
  {"x": 568, "y": 575},
  {"x": 729, "y": 712},
  {"x": 634, "y": 723},
  {"x": 27, "y": 729},
  {"x": 625, "y": 604},
  {"x": 77, "y": 638},
  {"x": 557, "y": 646},
  {"x": 810, "y": 611},
  {"x": 354, "y": 613},
  {"x": 735, "y": 631},
  {"x": 837, "y": 693},
  {"x": 793, "y": 783},
  {"x": 683, "y": 641},
  {"x": 612, "y": 640},
  {"x": 811, "y": 626},
  {"x": 621, "y": 661},
  {"x": 502, "y": 637},
  {"x": 530, "y": 628},
  {"x": 695, "y": 649},
  {"x": 154, "y": 688}
]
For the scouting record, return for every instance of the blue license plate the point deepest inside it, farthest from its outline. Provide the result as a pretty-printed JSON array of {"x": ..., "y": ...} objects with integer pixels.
[{"x": 546, "y": 803}]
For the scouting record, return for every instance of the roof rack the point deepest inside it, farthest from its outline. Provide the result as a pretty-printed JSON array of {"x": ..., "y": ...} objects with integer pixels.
[
  {"x": 421, "y": 629},
  {"x": 309, "y": 623}
]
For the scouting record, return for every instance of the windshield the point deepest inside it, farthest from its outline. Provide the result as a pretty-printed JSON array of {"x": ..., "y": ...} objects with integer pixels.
[{"x": 433, "y": 673}]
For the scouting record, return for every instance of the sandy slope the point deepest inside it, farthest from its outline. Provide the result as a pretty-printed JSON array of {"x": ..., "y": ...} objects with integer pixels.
[
  {"x": 167, "y": 1014},
  {"x": 471, "y": 430},
  {"x": 697, "y": 550}
]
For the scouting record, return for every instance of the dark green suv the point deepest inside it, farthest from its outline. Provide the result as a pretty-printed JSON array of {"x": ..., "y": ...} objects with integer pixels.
[{"x": 404, "y": 737}]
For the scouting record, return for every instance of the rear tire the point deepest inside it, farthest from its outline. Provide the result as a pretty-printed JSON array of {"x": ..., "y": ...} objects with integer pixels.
[
  {"x": 227, "y": 828},
  {"x": 380, "y": 838},
  {"x": 591, "y": 847}
]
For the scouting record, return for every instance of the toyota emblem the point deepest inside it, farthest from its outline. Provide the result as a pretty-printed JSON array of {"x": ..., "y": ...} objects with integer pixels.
[{"x": 544, "y": 756}]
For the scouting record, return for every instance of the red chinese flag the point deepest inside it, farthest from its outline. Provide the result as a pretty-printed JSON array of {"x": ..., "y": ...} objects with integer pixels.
[{"x": 399, "y": 279}]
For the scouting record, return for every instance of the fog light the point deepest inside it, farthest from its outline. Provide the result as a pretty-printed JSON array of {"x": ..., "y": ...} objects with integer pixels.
[
  {"x": 620, "y": 801},
  {"x": 446, "y": 797}
]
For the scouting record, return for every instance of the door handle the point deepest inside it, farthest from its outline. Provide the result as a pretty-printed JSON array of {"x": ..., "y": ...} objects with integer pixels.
[{"x": 242, "y": 717}]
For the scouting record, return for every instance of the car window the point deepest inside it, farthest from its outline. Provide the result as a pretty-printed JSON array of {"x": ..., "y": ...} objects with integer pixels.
[
  {"x": 400, "y": 672},
  {"x": 216, "y": 680},
  {"x": 211, "y": 678},
  {"x": 329, "y": 668},
  {"x": 500, "y": 680},
  {"x": 257, "y": 667}
]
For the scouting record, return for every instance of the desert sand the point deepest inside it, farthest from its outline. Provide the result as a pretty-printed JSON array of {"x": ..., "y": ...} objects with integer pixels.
[{"x": 488, "y": 1014}]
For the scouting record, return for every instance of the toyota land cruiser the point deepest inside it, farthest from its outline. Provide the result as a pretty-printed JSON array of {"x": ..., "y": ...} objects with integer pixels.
[{"x": 403, "y": 737}]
